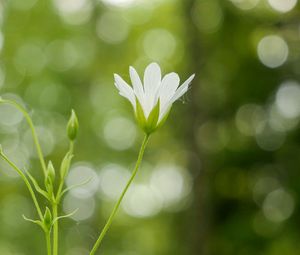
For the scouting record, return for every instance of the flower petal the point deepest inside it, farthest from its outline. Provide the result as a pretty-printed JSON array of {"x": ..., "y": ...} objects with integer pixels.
[
  {"x": 124, "y": 89},
  {"x": 182, "y": 89},
  {"x": 168, "y": 87},
  {"x": 179, "y": 92},
  {"x": 137, "y": 84},
  {"x": 152, "y": 80}
]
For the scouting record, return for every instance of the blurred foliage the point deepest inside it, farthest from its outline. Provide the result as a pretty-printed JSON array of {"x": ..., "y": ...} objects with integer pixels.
[{"x": 220, "y": 178}]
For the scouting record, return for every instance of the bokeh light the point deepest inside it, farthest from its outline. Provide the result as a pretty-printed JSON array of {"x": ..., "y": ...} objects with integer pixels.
[
  {"x": 112, "y": 28},
  {"x": 84, "y": 207},
  {"x": 119, "y": 138},
  {"x": 272, "y": 51},
  {"x": 159, "y": 44},
  {"x": 288, "y": 99},
  {"x": 283, "y": 5},
  {"x": 74, "y": 12},
  {"x": 278, "y": 205},
  {"x": 112, "y": 179},
  {"x": 142, "y": 201},
  {"x": 83, "y": 173},
  {"x": 245, "y": 4}
]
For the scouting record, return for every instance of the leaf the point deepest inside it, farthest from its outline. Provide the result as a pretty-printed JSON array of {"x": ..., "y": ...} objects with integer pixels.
[
  {"x": 38, "y": 222},
  {"x": 65, "y": 165},
  {"x": 75, "y": 186},
  {"x": 65, "y": 216},
  {"x": 37, "y": 187}
]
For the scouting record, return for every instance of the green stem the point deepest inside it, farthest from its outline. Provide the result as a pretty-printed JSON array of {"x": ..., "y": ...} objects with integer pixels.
[
  {"x": 23, "y": 176},
  {"x": 115, "y": 210},
  {"x": 34, "y": 135},
  {"x": 55, "y": 209},
  {"x": 62, "y": 182},
  {"x": 48, "y": 241},
  {"x": 55, "y": 229}
]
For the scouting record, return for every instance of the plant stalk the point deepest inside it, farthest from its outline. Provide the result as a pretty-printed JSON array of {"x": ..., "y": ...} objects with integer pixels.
[
  {"x": 55, "y": 229},
  {"x": 34, "y": 134},
  {"x": 115, "y": 210},
  {"x": 48, "y": 241},
  {"x": 23, "y": 176}
]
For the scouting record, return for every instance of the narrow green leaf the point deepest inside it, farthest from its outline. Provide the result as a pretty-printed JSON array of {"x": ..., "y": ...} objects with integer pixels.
[
  {"x": 38, "y": 222},
  {"x": 65, "y": 165},
  {"x": 75, "y": 186},
  {"x": 37, "y": 187},
  {"x": 65, "y": 216}
]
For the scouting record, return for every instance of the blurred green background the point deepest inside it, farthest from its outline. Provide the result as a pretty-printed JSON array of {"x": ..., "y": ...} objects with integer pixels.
[{"x": 220, "y": 178}]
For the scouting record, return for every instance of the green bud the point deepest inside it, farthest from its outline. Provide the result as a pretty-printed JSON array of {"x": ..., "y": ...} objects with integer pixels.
[
  {"x": 48, "y": 219},
  {"x": 65, "y": 165},
  {"x": 51, "y": 171},
  {"x": 72, "y": 127},
  {"x": 49, "y": 185}
]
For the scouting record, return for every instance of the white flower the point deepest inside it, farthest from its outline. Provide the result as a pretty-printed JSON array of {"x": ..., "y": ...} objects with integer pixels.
[{"x": 152, "y": 99}]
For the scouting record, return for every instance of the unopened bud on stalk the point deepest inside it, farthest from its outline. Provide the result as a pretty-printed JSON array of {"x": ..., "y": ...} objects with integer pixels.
[
  {"x": 48, "y": 218},
  {"x": 49, "y": 185},
  {"x": 72, "y": 127},
  {"x": 51, "y": 171}
]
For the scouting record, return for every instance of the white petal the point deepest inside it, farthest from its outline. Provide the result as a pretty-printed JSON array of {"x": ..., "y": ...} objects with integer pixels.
[
  {"x": 137, "y": 84},
  {"x": 168, "y": 87},
  {"x": 179, "y": 92},
  {"x": 182, "y": 89},
  {"x": 164, "y": 111},
  {"x": 124, "y": 89},
  {"x": 152, "y": 80}
]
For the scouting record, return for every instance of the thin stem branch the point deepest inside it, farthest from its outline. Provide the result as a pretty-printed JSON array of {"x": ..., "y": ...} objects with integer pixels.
[
  {"x": 23, "y": 176},
  {"x": 115, "y": 210},
  {"x": 55, "y": 229},
  {"x": 34, "y": 134},
  {"x": 55, "y": 209},
  {"x": 48, "y": 241}
]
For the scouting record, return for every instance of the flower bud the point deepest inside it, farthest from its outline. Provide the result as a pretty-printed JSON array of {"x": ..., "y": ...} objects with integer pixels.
[
  {"x": 51, "y": 171},
  {"x": 72, "y": 127},
  {"x": 48, "y": 218},
  {"x": 49, "y": 185},
  {"x": 65, "y": 165}
]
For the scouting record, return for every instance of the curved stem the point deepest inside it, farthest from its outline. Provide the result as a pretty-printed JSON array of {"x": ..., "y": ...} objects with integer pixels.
[
  {"x": 115, "y": 210},
  {"x": 34, "y": 135},
  {"x": 23, "y": 176},
  {"x": 48, "y": 241}
]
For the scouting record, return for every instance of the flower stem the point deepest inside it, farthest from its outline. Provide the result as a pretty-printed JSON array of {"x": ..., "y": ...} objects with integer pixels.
[
  {"x": 23, "y": 176},
  {"x": 34, "y": 135},
  {"x": 55, "y": 230},
  {"x": 115, "y": 210},
  {"x": 48, "y": 241},
  {"x": 55, "y": 209}
]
